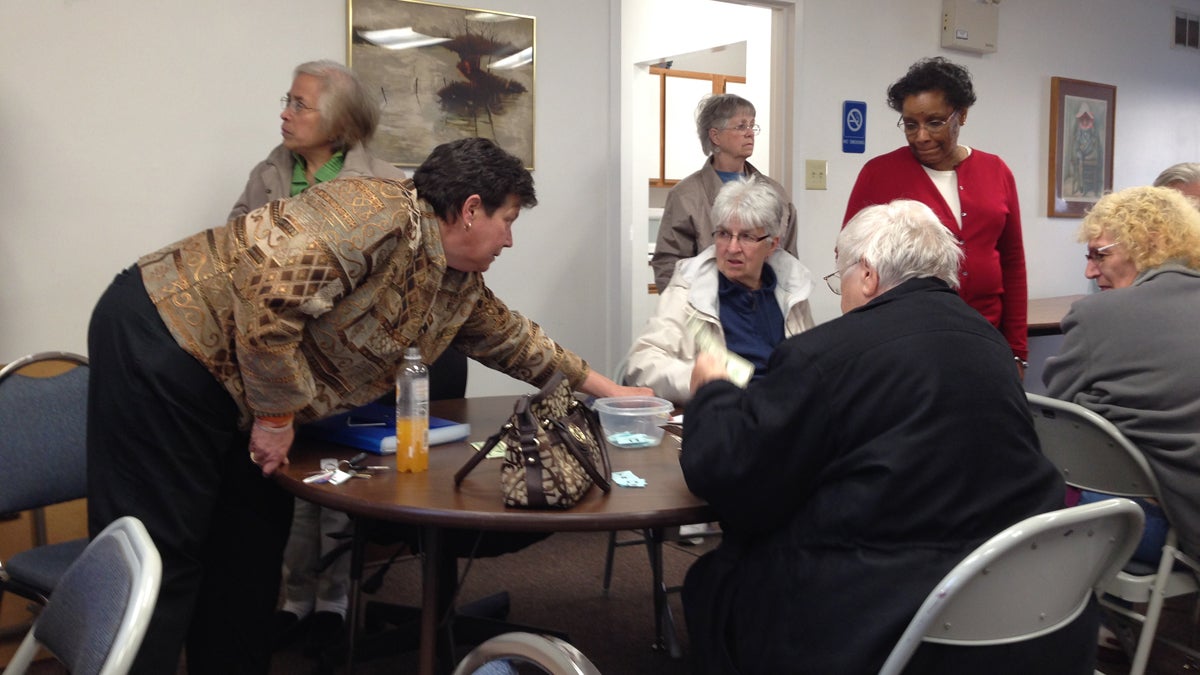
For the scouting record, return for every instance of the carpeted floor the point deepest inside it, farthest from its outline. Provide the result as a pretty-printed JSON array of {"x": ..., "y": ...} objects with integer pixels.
[{"x": 557, "y": 584}]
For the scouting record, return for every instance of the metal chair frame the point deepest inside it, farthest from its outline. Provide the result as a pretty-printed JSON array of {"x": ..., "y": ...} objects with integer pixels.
[
  {"x": 46, "y": 479},
  {"x": 1094, "y": 455},
  {"x": 121, "y": 567},
  {"x": 1030, "y": 580}
]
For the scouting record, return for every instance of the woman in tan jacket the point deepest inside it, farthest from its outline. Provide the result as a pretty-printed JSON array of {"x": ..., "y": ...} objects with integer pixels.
[{"x": 205, "y": 353}]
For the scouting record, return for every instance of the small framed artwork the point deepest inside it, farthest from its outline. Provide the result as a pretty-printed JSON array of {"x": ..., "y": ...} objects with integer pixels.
[
  {"x": 443, "y": 73},
  {"x": 1081, "y": 145}
]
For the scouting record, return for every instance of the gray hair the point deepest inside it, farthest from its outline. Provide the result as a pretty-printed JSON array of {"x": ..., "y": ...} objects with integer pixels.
[
  {"x": 902, "y": 240},
  {"x": 348, "y": 113},
  {"x": 750, "y": 202},
  {"x": 714, "y": 112},
  {"x": 1184, "y": 172}
]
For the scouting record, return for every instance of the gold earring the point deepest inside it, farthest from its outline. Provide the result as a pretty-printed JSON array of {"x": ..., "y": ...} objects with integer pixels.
[{"x": 468, "y": 225}]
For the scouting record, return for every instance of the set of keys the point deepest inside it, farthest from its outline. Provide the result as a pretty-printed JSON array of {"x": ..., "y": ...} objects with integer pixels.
[{"x": 335, "y": 472}]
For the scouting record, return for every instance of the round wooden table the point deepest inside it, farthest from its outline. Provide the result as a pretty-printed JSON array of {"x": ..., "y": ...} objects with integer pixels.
[{"x": 431, "y": 501}]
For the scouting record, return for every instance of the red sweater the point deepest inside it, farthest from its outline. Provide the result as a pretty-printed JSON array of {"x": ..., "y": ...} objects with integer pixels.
[{"x": 993, "y": 270}]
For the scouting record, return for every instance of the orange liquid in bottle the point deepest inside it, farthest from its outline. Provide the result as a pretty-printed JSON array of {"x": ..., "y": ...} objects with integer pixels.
[{"x": 412, "y": 444}]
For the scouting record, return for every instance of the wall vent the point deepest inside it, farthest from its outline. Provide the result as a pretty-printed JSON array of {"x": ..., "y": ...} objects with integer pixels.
[{"x": 1187, "y": 30}]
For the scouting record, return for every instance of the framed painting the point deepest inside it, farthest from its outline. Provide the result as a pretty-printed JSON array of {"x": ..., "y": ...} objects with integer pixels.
[
  {"x": 443, "y": 73},
  {"x": 1081, "y": 145}
]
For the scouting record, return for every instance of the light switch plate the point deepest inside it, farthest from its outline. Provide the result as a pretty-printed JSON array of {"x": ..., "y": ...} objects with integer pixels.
[{"x": 814, "y": 174}]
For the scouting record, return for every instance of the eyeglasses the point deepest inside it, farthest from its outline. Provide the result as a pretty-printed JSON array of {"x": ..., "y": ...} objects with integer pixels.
[
  {"x": 834, "y": 281},
  {"x": 1096, "y": 255},
  {"x": 743, "y": 128},
  {"x": 295, "y": 104},
  {"x": 727, "y": 237},
  {"x": 934, "y": 127}
]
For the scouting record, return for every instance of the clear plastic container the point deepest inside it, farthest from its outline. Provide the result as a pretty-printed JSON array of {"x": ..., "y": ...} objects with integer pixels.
[{"x": 633, "y": 421}]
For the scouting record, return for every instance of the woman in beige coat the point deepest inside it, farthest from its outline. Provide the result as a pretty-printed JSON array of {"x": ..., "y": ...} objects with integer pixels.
[{"x": 742, "y": 293}]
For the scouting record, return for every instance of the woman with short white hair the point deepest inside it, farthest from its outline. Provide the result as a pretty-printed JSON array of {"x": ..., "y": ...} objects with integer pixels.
[{"x": 743, "y": 293}]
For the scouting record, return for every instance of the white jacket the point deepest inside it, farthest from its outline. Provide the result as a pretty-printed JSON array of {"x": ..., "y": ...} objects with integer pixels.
[{"x": 663, "y": 356}]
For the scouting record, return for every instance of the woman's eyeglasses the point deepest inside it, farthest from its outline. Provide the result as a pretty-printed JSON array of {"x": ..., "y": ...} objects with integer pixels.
[
  {"x": 743, "y": 128},
  {"x": 295, "y": 104},
  {"x": 1098, "y": 254},
  {"x": 726, "y": 237},
  {"x": 934, "y": 127}
]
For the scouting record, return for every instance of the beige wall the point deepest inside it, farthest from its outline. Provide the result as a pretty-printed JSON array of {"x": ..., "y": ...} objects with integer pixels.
[{"x": 126, "y": 124}]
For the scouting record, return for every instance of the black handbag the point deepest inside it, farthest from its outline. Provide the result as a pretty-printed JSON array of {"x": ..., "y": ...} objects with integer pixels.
[{"x": 554, "y": 450}]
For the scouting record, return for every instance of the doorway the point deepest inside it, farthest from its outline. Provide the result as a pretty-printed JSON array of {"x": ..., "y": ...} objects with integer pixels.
[{"x": 750, "y": 41}]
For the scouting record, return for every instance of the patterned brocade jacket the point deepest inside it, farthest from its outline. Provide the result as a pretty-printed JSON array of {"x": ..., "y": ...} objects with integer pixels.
[{"x": 306, "y": 305}]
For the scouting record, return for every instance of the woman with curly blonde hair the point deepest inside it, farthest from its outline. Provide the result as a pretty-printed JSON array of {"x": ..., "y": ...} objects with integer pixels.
[
  {"x": 1138, "y": 229},
  {"x": 1130, "y": 353}
]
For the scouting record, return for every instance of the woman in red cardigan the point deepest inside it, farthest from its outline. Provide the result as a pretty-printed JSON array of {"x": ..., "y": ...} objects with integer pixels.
[{"x": 972, "y": 192}]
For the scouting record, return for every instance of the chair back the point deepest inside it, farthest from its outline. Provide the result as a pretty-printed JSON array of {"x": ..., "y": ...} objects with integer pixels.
[
  {"x": 43, "y": 431},
  {"x": 97, "y": 617},
  {"x": 1090, "y": 451},
  {"x": 553, "y": 656},
  {"x": 1030, "y": 580}
]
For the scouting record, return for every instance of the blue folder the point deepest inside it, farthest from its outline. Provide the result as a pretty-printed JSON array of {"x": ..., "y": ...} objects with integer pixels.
[{"x": 373, "y": 428}]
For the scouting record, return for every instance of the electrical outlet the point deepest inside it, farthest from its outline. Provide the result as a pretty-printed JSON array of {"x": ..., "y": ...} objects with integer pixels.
[{"x": 814, "y": 174}]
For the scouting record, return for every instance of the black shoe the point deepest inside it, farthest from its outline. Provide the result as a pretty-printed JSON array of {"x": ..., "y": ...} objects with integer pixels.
[
  {"x": 325, "y": 630},
  {"x": 286, "y": 628}
]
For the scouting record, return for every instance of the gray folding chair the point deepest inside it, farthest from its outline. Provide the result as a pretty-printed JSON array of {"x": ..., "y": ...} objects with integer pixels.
[
  {"x": 96, "y": 619},
  {"x": 43, "y": 419},
  {"x": 1030, "y": 580},
  {"x": 550, "y": 654},
  {"x": 1094, "y": 455}
]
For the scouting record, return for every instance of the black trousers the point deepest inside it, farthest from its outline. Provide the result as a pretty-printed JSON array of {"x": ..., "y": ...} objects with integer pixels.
[{"x": 163, "y": 445}]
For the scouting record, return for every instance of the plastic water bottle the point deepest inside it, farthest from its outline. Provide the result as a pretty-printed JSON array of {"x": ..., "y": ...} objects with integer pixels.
[{"x": 412, "y": 414}]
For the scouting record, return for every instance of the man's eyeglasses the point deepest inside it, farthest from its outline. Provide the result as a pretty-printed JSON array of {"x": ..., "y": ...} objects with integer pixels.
[
  {"x": 726, "y": 237},
  {"x": 295, "y": 104},
  {"x": 743, "y": 128},
  {"x": 834, "y": 281},
  {"x": 934, "y": 127},
  {"x": 1098, "y": 254}
]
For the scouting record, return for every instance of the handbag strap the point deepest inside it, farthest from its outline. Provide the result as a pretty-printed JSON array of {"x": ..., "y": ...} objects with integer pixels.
[
  {"x": 477, "y": 458},
  {"x": 593, "y": 421},
  {"x": 580, "y": 454},
  {"x": 529, "y": 453}
]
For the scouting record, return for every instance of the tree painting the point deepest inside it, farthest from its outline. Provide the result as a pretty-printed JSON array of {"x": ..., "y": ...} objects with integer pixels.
[{"x": 443, "y": 73}]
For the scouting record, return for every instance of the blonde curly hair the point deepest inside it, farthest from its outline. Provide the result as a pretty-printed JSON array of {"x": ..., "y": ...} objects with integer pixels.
[{"x": 1154, "y": 224}]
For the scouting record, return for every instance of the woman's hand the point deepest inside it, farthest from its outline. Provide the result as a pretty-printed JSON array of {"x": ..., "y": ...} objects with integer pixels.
[
  {"x": 601, "y": 387},
  {"x": 269, "y": 446},
  {"x": 706, "y": 369}
]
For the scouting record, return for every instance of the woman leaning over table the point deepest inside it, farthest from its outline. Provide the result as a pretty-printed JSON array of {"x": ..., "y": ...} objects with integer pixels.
[
  {"x": 205, "y": 353},
  {"x": 972, "y": 192},
  {"x": 743, "y": 290},
  {"x": 1130, "y": 352},
  {"x": 726, "y": 128}
]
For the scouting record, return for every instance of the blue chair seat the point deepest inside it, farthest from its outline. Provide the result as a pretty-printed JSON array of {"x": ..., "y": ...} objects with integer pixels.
[{"x": 39, "y": 569}]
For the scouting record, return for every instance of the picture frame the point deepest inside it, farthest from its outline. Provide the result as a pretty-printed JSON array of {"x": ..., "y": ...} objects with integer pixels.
[
  {"x": 442, "y": 73},
  {"x": 1082, "y": 123}
]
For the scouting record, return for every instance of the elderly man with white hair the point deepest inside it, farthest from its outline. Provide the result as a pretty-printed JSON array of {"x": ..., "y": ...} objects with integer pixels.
[{"x": 880, "y": 449}]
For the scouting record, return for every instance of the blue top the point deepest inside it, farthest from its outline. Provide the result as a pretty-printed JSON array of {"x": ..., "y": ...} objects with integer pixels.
[
  {"x": 727, "y": 176},
  {"x": 752, "y": 320}
]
